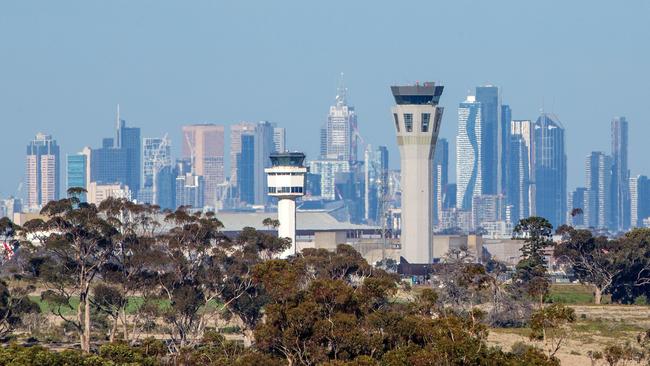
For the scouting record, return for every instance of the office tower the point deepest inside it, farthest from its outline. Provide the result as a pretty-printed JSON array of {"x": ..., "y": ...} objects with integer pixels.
[
  {"x": 578, "y": 202},
  {"x": 450, "y": 197},
  {"x": 505, "y": 121},
  {"x": 128, "y": 140},
  {"x": 77, "y": 172},
  {"x": 328, "y": 169},
  {"x": 10, "y": 206},
  {"x": 98, "y": 192},
  {"x": 488, "y": 96},
  {"x": 620, "y": 175},
  {"x": 264, "y": 146},
  {"x": 286, "y": 182},
  {"x": 639, "y": 200},
  {"x": 236, "y": 131},
  {"x": 340, "y": 130},
  {"x": 323, "y": 142},
  {"x": 488, "y": 208},
  {"x": 417, "y": 122},
  {"x": 518, "y": 172},
  {"x": 550, "y": 169},
  {"x": 279, "y": 139},
  {"x": 246, "y": 169},
  {"x": 42, "y": 171},
  {"x": 156, "y": 155},
  {"x": 118, "y": 160},
  {"x": 165, "y": 184},
  {"x": 469, "y": 150},
  {"x": 312, "y": 185},
  {"x": 203, "y": 146},
  {"x": 190, "y": 191},
  {"x": 598, "y": 177},
  {"x": 440, "y": 178},
  {"x": 375, "y": 182}
]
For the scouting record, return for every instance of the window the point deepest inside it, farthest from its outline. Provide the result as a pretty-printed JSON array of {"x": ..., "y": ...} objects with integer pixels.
[
  {"x": 285, "y": 190},
  {"x": 408, "y": 122},
  {"x": 425, "y": 121},
  {"x": 271, "y": 189},
  {"x": 396, "y": 121},
  {"x": 296, "y": 189}
]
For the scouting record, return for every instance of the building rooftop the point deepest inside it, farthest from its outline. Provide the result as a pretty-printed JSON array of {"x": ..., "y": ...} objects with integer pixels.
[
  {"x": 426, "y": 93},
  {"x": 305, "y": 221}
]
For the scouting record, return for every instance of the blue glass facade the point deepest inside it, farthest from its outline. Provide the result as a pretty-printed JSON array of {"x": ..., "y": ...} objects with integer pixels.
[
  {"x": 550, "y": 169},
  {"x": 488, "y": 96},
  {"x": 118, "y": 160},
  {"x": 76, "y": 172},
  {"x": 246, "y": 169}
]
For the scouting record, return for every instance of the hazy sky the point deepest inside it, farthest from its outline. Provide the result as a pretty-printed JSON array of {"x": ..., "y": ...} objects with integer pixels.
[{"x": 64, "y": 65}]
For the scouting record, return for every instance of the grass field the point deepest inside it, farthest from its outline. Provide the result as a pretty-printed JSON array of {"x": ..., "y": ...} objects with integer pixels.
[{"x": 573, "y": 294}]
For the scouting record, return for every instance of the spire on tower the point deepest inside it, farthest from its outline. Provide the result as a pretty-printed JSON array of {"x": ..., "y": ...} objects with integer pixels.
[{"x": 341, "y": 92}]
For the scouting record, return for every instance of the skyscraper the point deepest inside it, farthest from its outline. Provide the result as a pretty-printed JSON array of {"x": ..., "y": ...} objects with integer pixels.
[
  {"x": 264, "y": 146},
  {"x": 246, "y": 169},
  {"x": 598, "y": 207},
  {"x": 236, "y": 132},
  {"x": 376, "y": 182},
  {"x": 279, "y": 139},
  {"x": 417, "y": 117},
  {"x": 156, "y": 155},
  {"x": 339, "y": 132},
  {"x": 118, "y": 160},
  {"x": 42, "y": 171},
  {"x": 639, "y": 200},
  {"x": 505, "y": 121},
  {"x": 128, "y": 140},
  {"x": 620, "y": 175},
  {"x": 488, "y": 96},
  {"x": 77, "y": 172},
  {"x": 469, "y": 153},
  {"x": 440, "y": 178},
  {"x": 578, "y": 201},
  {"x": 549, "y": 162},
  {"x": 203, "y": 145},
  {"x": 518, "y": 182}
]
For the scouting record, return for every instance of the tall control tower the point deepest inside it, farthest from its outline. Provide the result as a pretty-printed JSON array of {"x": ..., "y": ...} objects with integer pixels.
[
  {"x": 286, "y": 181},
  {"x": 417, "y": 121}
]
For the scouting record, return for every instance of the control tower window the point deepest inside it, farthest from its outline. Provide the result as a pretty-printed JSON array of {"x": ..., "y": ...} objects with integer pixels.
[
  {"x": 426, "y": 117},
  {"x": 396, "y": 121},
  {"x": 408, "y": 122}
]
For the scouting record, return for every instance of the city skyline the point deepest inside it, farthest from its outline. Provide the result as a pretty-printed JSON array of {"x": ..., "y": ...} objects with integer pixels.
[{"x": 214, "y": 78}]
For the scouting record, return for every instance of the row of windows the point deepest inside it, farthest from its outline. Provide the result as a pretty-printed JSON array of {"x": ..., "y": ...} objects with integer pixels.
[
  {"x": 285, "y": 189},
  {"x": 286, "y": 173},
  {"x": 425, "y": 119}
]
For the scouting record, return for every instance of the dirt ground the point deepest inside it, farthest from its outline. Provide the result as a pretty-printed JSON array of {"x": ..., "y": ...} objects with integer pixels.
[{"x": 595, "y": 328}]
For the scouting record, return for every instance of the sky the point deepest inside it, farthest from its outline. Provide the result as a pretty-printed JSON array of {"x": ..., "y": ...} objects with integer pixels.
[{"x": 65, "y": 65}]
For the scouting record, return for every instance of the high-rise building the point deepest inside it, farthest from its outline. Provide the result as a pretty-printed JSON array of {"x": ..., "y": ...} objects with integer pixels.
[
  {"x": 43, "y": 168},
  {"x": 77, "y": 172},
  {"x": 118, "y": 160},
  {"x": 327, "y": 169},
  {"x": 518, "y": 193},
  {"x": 469, "y": 153},
  {"x": 417, "y": 118},
  {"x": 156, "y": 155},
  {"x": 639, "y": 200},
  {"x": 488, "y": 96},
  {"x": 203, "y": 145},
  {"x": 246, "y": 169},
  {"x": 128, "y": 140},
  {"x": 598, "y": 207},
  {"x": 488, "y": 208},
  {"x": 577, "y": 205},
  {"x": 279, "y": 139},
  {"x": 549, "y": 164},
  {"x": 98, "y": 192},
  {"x": 190, "y": 191},
  {"x": 376, "y": 182},
  {"x": 236, "y": 131},
  {"x": 620, "y": 175},
  {"x": 440, "y": 178},
  {"x": 505, "y": 122},
  {"x": 339, "y": 132},
  {"x": 264, "y": 147}
]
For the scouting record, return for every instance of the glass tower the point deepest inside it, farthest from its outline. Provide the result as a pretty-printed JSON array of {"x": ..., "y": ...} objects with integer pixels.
[{"x": 469, "y": 153}]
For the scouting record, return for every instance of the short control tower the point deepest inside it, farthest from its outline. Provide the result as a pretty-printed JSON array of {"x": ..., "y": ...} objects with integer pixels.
[
  {"x": 417, "y": 118},
  {"x": 286, "y": 181}
]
